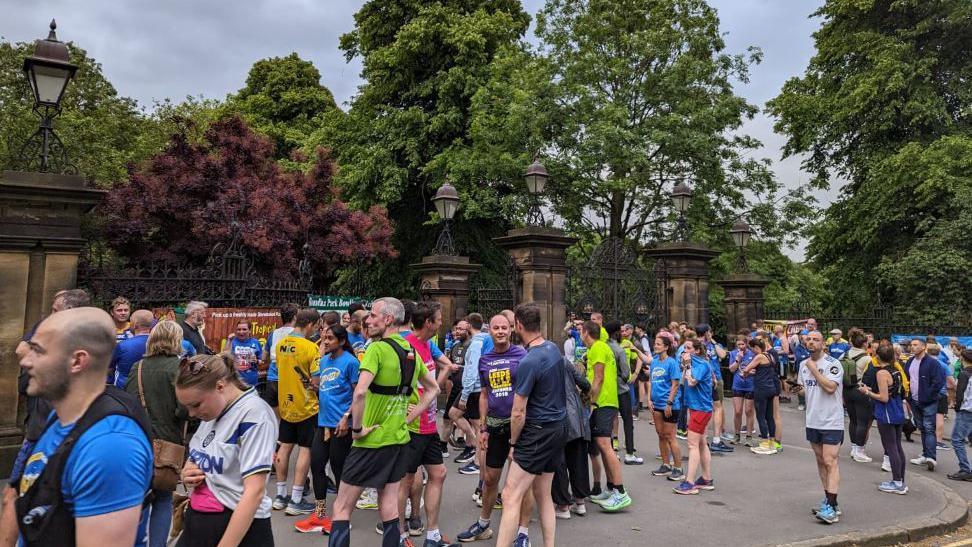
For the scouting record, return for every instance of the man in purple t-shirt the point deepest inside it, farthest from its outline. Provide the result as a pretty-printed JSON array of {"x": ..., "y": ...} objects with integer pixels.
[{"x": 497, "y": 372}]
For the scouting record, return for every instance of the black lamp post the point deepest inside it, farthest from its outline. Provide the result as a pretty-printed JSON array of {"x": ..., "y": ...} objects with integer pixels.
[
  {"x": 536, "y": 180},
  {"x": 682, "y": 197},
  {"x": 741, "y": 233},
  {"x": 446, "y": 202},
  {"x": 48, "y": 71}
]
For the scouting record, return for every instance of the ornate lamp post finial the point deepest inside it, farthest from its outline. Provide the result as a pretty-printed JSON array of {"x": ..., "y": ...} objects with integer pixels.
[
  {"x": 536, "y": 180},
  {"x": 741, "y": 233},
  {"x": 446, "y": 202},
  {"x": 682, "y": 198},
  {"x": 48, "y": 72}
]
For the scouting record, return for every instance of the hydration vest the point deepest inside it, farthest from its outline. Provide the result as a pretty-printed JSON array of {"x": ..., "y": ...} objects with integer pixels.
[{"x": 406, "y": 360}]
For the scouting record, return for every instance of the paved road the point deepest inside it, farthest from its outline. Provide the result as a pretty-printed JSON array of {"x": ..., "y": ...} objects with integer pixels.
[{"x": 759, "y": 500}]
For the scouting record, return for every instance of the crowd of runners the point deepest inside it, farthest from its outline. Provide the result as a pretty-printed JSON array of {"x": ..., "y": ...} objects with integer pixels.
[{"x": 356, "y": 395}]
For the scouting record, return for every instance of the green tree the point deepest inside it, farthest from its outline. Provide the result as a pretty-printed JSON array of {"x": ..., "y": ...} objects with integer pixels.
[
  {"x": 422, "y": 64},
  {"x": 283, "y": 98},
  {"x": 884, "y": 105},
  {"x": 626, "y": 98},
  {"x": 99, "y": 128}
]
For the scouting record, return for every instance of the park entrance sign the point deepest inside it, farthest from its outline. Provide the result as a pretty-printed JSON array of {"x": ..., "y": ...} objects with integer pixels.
[{"x": 323, "y": 302}]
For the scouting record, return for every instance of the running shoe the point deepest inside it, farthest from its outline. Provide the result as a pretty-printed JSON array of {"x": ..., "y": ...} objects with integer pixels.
[
  {"x": 686, "y": 488},
  {"x": 828, "y": 514},
  {"x": 467, "y": 455},
  {"x": 302, "y": 507},
  {"x": 478, "y": 496},
  {"x": 601, "y": 498},
  {"x": 579, "y": 509},
  {"x": 631, "y": 459},
  {"x": 456, "y": 441},
  {"x": 737, "y": 439},
  {"x": 676, "y": 475},
  {"x": 779, "y": 446},
  {"x": 331, "y": 489},
  {"x": 425, "y": 477},
  {"x": 893, "y": 487},
  {"x": 314, "y": 523},
  {"x": 860, "y": 456},
  {"x": 943, "y": 446},
  {"x": 562, "y": 514},
  {"x": 614, "y": 443},
  {"x": 886, "y": 464},
  {"x": 616, "y": 502},
  {"x": 415, "y": 526},
  {"x": 801, "y": 407},
  {"x": 920, "y": 460},
  {"x": 280, "y": 503},
  {"x": 816, "y": 509},
  {"x": 681, "y": 434},
  {"x": 930, "y": 464},
  {"x": 498, "y": 504},
  {"x": 728, "y": 437},
  {"x": 522, "y": 540},
  {"x": 750, "y": 442},
  {"x": 663, "y": 471},
  {"x": 720, "y": 447},
  {"x": 368, "y": 499},
  {"x": 469, "y": 469},
  {"x": 961, "y": 476},
  {"x": 475, "y": 532},
  {"x": 703, "y": 484},
  {"x": 441, "y": 542},
  {"x": 765, "y": 448}
]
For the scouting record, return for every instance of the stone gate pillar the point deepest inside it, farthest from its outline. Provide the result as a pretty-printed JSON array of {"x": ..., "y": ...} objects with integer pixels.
[
  {"x": 541, "y": 260},
  {"x": 445, "y": 279},
  {"x": 744, "y": 300},
  {"x": 40, "y": 241},
  {"x": 687, "y": 285}
]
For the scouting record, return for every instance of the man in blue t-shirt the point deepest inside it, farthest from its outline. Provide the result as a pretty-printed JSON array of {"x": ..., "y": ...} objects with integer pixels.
[
  {"x": 838, "y": 346},
  {"x": 66, "y": 364},
  {"x": 537, "y": 427},
  {"x": 131, "y": 350},
  {"x": 247, "y": 351}
]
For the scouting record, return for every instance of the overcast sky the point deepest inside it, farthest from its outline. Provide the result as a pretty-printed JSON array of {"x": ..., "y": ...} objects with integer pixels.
[{"x": 174, "y": 48}]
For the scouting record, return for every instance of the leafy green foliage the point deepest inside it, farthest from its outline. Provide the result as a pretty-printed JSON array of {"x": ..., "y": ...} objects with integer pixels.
[
  {"x": 100, "y": 129},
  {"x": 283, "y": 98},
  {"x": 885, "y": 104}
]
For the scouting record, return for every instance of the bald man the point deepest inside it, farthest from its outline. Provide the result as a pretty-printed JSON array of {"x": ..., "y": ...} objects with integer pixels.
[
  {"x": 66, "y": 364},
  {"x": 130, "y": 351}
]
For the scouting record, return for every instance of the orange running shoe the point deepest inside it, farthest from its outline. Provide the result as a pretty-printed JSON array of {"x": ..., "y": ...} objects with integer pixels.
[{"x": 314, "y": 523}]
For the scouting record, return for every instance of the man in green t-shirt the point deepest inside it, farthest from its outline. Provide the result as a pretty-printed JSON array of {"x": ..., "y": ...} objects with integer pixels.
[
  {"x": 380, "y": 414},
  {"x": 602, "y": 373}
]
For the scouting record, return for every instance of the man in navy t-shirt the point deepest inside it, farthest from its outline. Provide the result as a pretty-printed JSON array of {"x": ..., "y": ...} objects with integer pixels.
[
  {"x": 66, "y": 364},
  {"x": 537, "y": 425},
  {"x": 131, "y": 350}
]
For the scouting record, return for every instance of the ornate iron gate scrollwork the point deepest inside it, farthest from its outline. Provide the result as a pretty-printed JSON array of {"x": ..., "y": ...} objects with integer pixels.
[
  {"x": 616, "y": 283},
  {"x": 227, "y": 279},
  {"x": 489, "y": 295}
]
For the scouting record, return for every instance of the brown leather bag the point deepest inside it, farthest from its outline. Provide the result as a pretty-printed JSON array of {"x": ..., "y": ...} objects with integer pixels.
[{"x": 168, "y": 456}]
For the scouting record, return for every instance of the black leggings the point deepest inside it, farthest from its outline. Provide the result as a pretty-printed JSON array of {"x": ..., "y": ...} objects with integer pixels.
[
  {"x": 764, "y": 414},
  {"x": 891, "y": 441},
  {"x": 334, "y": 450},
  {"x": 573, "y": 473},
  {"x": 627, "y": 420},
  {"x": 860, "y": 411},
  {"x": 206, "y": 529}
]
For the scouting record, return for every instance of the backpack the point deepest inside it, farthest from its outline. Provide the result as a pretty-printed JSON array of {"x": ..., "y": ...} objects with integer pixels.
[
  {"x": 850, "y": 369},
  {"x": 406, "y": 360}
]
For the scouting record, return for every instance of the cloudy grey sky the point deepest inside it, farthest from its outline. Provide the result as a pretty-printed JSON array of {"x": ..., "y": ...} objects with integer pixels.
[{"x": 174, "y": 48}]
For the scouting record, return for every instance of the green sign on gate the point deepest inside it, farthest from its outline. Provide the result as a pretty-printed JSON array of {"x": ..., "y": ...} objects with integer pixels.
[{"x": 323, "y": 302}]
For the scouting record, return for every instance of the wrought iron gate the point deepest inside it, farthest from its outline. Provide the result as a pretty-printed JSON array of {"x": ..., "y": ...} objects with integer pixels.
[
  {"x": 616, "y": 283},
  {"x": 491, "y": 293}
]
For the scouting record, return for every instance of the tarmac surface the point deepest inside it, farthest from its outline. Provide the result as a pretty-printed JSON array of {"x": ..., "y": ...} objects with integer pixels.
[{"x": 758, "y": 500}]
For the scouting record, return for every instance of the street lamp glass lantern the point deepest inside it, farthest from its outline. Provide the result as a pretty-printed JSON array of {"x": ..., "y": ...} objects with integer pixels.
[
  {"x": 741, "y": 233},
  {"x": 682, "y": 195},
  {"x": 536, "y": 177},
  {"x": 48, "y": 70},
  {"x": 446, "y": 201}
]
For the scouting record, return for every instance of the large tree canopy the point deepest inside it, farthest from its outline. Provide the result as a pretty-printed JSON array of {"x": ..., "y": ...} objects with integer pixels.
[
  {"x": 283, "y": 98},
  {"x": 185, "y": 200},
  {"x": 885, "y": 105},
  {"x": 422, "y": 63},
  {"x": 627, "y": 98}
]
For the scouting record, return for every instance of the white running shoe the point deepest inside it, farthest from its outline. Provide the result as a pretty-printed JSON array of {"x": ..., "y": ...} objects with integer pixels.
[{"x": 886, "y": 464}]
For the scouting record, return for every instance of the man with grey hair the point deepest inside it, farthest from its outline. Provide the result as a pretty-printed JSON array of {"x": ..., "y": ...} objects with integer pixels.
[
  {"x": 66, "y": 364},
  {"x": 380, "y": 413},
  {"x": 192, "y": 326}
]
